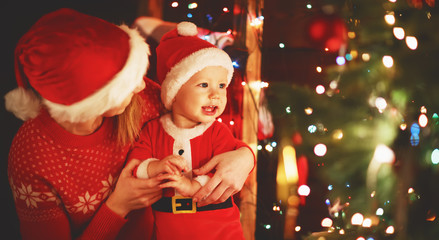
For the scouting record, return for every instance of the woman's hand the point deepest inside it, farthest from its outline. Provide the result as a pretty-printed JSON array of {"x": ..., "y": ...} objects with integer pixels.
[
  {"x": 232, "y": 169},
  {"x": 132, "y": 193}
]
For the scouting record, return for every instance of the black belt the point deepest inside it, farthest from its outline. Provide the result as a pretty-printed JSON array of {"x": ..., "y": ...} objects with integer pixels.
[{"x": 178, "y": 204}]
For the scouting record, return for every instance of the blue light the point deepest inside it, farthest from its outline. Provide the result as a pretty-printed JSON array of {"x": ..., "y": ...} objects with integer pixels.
[
  {"x": 330, "y": 187},
  {"x": 189, "y": 15},
  {"x": 312, "y": 128},
  {"x": 235, "y": 64},
  {"x": 348, "y": 57},
  {"x": 328, "y": 202},
  {"x": 415, "y": 129},
  {"x": 340, "y": 60},
  {"x": 209, "y": 17},
  {"x": 414, "y": 140}
]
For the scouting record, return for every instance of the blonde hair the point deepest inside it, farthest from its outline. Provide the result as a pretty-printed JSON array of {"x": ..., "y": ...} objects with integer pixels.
[{"x": 128, "y": 124}]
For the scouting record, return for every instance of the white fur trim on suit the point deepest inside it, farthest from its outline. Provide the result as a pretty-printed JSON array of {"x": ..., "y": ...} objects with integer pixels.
[
  {"x": 182, "y": 133},
  {"x": 202, "y": 179},
  {"x": 110, "y": 96},
  {"x": 142, "y": 169},
  {"x": 188, "y": 66}
]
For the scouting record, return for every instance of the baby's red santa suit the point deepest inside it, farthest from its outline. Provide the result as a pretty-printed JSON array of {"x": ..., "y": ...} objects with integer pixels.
[{"x": 180, "y": 55}]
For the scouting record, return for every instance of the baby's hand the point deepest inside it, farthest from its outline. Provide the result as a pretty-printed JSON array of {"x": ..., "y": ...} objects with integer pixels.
[
  {"x": 185, "y": 186},
  {"x": 172, "y": 164}
]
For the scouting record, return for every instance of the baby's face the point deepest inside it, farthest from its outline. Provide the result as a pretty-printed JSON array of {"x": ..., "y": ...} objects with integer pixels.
[{"x": 202, "y": 98}]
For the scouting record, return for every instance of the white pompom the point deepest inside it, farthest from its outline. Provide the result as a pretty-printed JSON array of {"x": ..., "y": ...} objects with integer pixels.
[
  {"x": 187, "y": 29},
  {"x": 23, "y": 103}
]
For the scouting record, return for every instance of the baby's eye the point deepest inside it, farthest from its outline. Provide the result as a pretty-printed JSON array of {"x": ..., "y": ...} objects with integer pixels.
[
  {"x": 204, "y": 85},
  {"x": 222, "y": 85}
]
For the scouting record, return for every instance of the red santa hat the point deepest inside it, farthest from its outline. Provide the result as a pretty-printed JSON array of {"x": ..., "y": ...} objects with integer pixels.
[
  {"x": 181, "y": 54},
  {"x": 79, "y": 65}
]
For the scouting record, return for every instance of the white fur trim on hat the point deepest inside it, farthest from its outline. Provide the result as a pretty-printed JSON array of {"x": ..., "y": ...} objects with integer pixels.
[
  {"x": 115, "y": 92},
  {"x": 187, "y": 29},
  {"x": 188, "y": 66},
  {"x": 23, "y": 103}
]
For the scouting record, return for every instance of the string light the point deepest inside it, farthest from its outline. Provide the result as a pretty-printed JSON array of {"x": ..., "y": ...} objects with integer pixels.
[
  {"x": 411, "y": 42},
  {"x": 357, "y": 219},
  {"x": 381, "y": 104},
  {"x": 174, "y": 4},
  {"x": 319, "y": 69},
  {"x": 312, "y": 128},
  {"x": 379, "y": 212},
  {"x": 388, "y": 61},
  {"x": 367, "y": 223},
  {"x": 351, "y": 35},
  {"x": 320, "y": 149},
  {"x": 281, "y": 45},
  {"x": 308, "y": 111},
  {"x": 435, "y": 156},
  {"x": 303, "y": 190},
  {"x": 390, "y": 230},
  {"x": 225, "y": 9},
  {"x": 326, "y": 222},
  {"x": 340, "y": 60},
  {"x": 423, "y": 120},
  {"x": 399, "y": 33},
  {"x": 192, "y": 5},
  {"x": 320, "y": 89},
  {"x": 365, "y": 57},
  {"x": 403, "y": 126},
  {"x": 390, "y": 18}
]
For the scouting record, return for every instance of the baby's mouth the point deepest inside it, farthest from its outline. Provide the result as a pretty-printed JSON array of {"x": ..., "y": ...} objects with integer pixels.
[{"x": 210, "y": 109}]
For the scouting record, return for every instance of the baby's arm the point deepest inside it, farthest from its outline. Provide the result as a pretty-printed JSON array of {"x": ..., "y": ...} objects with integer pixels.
[
  {"x": 185, "y": 186},
  {"x": 172, "y": 164}
]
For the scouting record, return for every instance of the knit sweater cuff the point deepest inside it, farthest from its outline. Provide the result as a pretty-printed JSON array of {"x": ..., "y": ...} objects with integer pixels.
[{"x": 106, "y": 224}]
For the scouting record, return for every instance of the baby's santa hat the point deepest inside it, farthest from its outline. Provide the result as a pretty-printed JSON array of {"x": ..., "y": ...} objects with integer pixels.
[
  {"x": 79, "y": 65},
  {"x": 181, "y": 54}
]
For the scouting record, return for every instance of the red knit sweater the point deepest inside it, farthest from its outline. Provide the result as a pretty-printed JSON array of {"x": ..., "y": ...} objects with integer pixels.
[{"x": 60, "y": 181}]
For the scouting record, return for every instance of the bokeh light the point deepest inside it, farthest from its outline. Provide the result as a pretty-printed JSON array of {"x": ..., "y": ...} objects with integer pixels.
[
  {"x": 388, "y": 61},
  {"x": 399, "y": 33},
  {"x": 411, "y": 42},
  {"x": 320, "y": 149}
]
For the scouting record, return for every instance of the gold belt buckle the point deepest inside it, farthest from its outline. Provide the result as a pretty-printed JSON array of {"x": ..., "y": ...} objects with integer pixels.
[{"x": 183, "y": 205}]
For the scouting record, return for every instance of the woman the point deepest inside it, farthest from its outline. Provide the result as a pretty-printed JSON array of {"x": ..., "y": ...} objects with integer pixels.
[{"x": 83, "y": 97}]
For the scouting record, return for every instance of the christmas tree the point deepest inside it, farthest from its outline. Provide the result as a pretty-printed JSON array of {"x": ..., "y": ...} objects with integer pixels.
[{"x": 371, "y": 129}]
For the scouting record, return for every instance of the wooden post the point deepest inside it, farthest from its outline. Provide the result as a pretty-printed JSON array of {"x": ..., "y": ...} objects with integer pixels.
[{"x": 246, "y": 38}]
